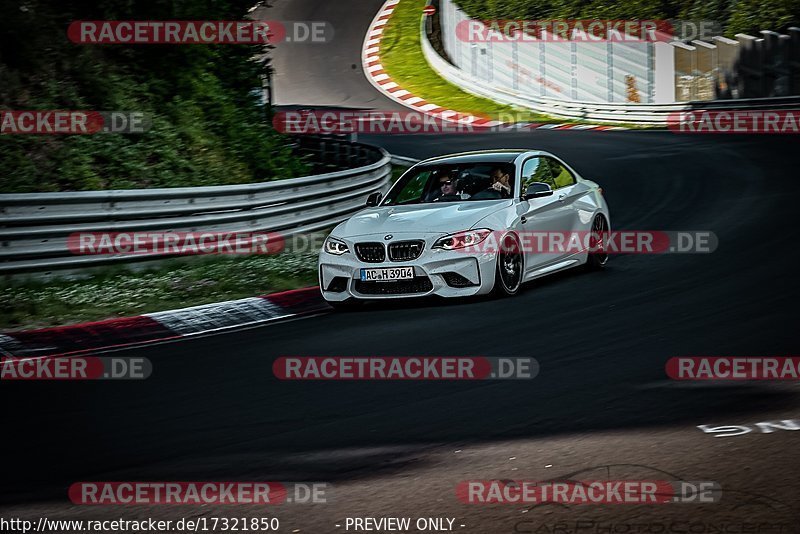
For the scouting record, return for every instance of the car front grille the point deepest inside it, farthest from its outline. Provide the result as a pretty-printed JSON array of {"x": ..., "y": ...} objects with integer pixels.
[
  {"x": 371, "y": 252},
  {"x": 405, "y": 250},
  {"x": 420, "y": 284}
]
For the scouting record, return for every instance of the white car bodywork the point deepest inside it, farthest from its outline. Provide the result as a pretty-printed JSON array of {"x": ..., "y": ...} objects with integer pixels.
[{"x": 568, "y": 209}]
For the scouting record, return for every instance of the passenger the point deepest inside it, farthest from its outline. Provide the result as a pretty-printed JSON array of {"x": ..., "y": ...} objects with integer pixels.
[
  {"x": 500, "y": 186},
  {"x": 501, "y": 182}
]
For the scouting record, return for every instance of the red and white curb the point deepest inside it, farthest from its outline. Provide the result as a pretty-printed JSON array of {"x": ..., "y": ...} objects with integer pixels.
[
  {"x": 378, "y": 77},
  {"x": 161, "y": 326}
]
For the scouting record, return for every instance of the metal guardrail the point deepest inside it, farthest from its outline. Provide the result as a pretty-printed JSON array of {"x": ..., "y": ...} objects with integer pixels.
[
  {"x": 34, "y": 227},
  {"x": 614, "y": 113}
]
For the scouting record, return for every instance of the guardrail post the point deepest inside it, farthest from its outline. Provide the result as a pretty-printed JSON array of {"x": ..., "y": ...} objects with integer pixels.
[
  {"x": 705, "y": 67},
  {"x": 777, "y": 50},
  {"x": 794, "y": 60},
  {"x": 750, "y": 66},
  {"x": 725, "y": 81},
  {"x": 685, "y": 67}
]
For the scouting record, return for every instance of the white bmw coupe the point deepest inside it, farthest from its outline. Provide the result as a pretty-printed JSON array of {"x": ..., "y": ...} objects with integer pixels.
[{"x": 461, "y": 225}]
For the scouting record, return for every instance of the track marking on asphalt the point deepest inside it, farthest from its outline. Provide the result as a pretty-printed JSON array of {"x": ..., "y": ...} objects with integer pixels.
[{"x": 766, "y": 427}]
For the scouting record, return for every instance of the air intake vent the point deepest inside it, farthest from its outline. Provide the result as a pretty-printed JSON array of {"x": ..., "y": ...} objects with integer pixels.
[{"x": 456, "y": 280}]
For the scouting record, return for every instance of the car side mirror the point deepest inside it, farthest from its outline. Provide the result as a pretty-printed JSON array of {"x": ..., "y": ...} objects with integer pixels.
[
  {"x": 374, "y": 198},
  {"x": 538, "y": 190}
]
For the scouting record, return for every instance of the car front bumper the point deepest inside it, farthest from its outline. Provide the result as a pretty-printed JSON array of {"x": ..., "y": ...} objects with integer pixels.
[{"x": 447, "y": 273}]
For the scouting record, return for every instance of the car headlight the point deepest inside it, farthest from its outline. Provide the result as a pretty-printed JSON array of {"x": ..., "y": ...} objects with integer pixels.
[
  {"x": 335, "y": 247},
  {"x": 463, "y": 239}
]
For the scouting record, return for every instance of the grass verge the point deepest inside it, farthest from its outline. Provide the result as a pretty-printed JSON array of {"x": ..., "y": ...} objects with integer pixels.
[
  {"x": 404, "y": 62},
  {"x": 118, "y": 292}
]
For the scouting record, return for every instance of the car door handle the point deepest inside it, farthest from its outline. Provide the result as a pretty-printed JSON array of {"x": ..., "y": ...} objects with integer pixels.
[{"x": 561, "y": 197}]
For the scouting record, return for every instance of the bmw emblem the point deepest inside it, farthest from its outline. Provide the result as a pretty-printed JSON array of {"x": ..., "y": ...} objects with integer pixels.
[{"x": 387, "y": 237}]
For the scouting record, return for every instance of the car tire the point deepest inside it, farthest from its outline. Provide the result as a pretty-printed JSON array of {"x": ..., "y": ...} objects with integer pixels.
[
  {"x": 597, "y": 260},
  {"x": 509, "y": 269},
  {"x": 345, "y": 305}
]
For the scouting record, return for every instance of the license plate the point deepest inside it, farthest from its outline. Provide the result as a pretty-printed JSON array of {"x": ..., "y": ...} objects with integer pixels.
[{"x": 387, "y": 274}]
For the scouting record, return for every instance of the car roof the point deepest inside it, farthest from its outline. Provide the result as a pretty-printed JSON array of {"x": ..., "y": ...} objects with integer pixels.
[{"x": 508, "y": 155}]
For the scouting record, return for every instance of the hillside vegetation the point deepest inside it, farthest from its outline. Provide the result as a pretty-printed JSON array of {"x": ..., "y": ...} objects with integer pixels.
[{"x": 208, "y": 125}]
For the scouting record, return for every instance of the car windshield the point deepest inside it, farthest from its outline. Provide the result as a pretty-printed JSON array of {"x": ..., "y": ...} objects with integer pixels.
[{"x": 453, "y": 183}]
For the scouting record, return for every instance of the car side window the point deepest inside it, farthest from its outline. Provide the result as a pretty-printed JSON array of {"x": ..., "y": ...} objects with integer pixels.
[
  {"x": 537, "y": 170},
  {"x": 561, "y": 175}
]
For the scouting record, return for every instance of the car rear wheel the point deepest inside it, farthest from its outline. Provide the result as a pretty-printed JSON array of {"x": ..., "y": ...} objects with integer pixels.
[
  {"x": 598, "y": 243},
  {"x": 508, "y": 277}
]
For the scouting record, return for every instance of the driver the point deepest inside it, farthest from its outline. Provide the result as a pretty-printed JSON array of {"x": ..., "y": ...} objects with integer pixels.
[{"x": 447, "y": 187}]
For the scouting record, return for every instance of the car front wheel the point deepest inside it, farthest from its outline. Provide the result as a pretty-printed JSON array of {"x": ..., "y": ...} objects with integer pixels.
[
  {"x": 598, "y": 244},
  {"x": 508, "y": 274}
]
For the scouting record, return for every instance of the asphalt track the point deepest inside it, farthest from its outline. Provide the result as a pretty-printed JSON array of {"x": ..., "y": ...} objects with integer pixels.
[
  {"x": 213, "y": 410},
  {"x": 325, "y": 74}
]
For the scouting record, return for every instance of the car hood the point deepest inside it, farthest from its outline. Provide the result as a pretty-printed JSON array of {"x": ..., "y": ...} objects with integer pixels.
[{"x": 419, "y": 218}]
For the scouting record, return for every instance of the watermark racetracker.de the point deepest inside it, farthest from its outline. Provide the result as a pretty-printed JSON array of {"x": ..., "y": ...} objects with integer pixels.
[
  {"x": 404, "y": 368},
  {"x": 133, "y": 493},
  {"x": 725, "y": 368},
  {"x": 587, "y": 30},
  {"x": 65, "y": 122},
  {"x": 75, "y": 368},
  {"x": 714, "y": 509},
  {"x": 193, "y": 32},
  {"x": 175, "y": 243},
  {"x": 735, "y": 122}
]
